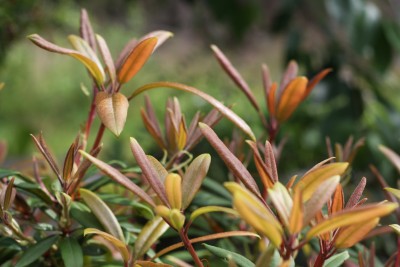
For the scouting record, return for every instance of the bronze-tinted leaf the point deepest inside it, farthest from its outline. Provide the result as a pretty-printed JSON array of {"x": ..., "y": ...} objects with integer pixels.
[
  {"x": 297, "y": 212},
  {"x": 119, "y": 178},
  {"x": 350, "y": 235},
  {"x": 290, "y": 74},
  {"x": 231, "y": 161},
  {"x": 392, "y": 156},
  {"x": 8, "y": 195},
  {"x": 228, "y": 113},
  {"x": 112, "y": 110},
  {"x": 266, "y": 177},
  {"x": 107, "y": 58},
  {"x": 290, "y": 98},
  {"x": 69, "y": 163},
  {"x": 337, "y": 200},
  {"x": 103, "y": 213},
  {"x": 149, "y": 172},
  {"x": 136, "y": 59},
  {"x": 158, "y": 167},
  {"x": 161, "y": 36},
  {"x": 194, "y": 176},
  {"x": 357, "y": 193},
  {"x": 235, "y": 75},
  {"x": 86, "y": 30},
  {"x": 271, "y": 99},
  {"x": 314, "y": 81},
  {"x": 266, "y": 78}
]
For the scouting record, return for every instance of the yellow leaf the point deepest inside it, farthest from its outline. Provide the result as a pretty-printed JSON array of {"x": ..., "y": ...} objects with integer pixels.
[
  {"x": 396, "y": 228},
  {"x": 311, "y": 180},
  {"x": 136, "y": 59},
  {"x": 112, "y": 110},
  {"x": 354, "y": 216},
  {"x": 208, "y": 209},
  {"x": 291, "y": 97},
  {"x": 352, "y": 234},
  {"x": 395, "y": 192},
  {"x": 173, "y": 189},
  {"x": 282, "y": 201},
  {"x": 116, "y": 242}
]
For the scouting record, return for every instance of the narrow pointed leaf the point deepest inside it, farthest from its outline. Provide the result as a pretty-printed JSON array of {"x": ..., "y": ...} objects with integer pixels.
[
  {"x": 161, "y": 36},
  {"x": 193, "y": 178},
  {"x": 208, "y": 209},
  {"x": 270, "y": 161},
  {"x": 71, "y": 252},
  {"x": 290, "y": 74},
  {"x": 395, "y": 192},
  {"x": 118, "y": 244},
  {"x": 337, "y": 260},
  {"x": 282, "y": 201},
  {"x": 235, "y": 75},
  {"x": 320, "y": 196},
  {"x": 93, "y": 67},
  {"x": 112, "y": 110},
  {"x": 226, "y": 112},
  {"x": 136, "y": 59},
  {"x": 86, "y": 30},
  {"x": 226, "y": 254},
  {"x": 173, "y": 189},
  {"x": 271, "y": 99},
  {"x": 103, "y": 213},
  {"x": 266, "y": 78},
  {"x": 153, "y": 128},
  {"x": 338, "y": 200},
  {"x": 297, "y": 213},
  {"x": 357, "y": 193},
  {"x": 107, "y": 58},
  {"x": 353, "y": 216},
  {"x": 149, "y": 172},
  {"x": 69, "y": 163},
  {"x": 311, "y": 180},
  {"x": 291, "y": 97},
  {"x": 119, "y": 178},
  {"x": 350, "y": 235},
  {"x": 266, "y": 177},
  {"x": 392, "y": 156},
  {"x": 158, "y": 167},
  {"x": 36, "y": 251},
  {"x": 314, "y": 81},
  {"x": 231, "y": 161},
  {"x": 149, "y": 234},
  {"x": 9, "y": 194}
]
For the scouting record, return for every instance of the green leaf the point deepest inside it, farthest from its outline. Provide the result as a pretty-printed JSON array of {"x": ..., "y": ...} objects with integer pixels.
[
  {"x": 36, "y": 251},
  {"x": 71, "y": 252},
  {"x": 208, "y": 209},
  {"x": 269, "y": 257},
  {"x": 150, "y": 233},
  {"x": 103, "y": 213},
  {"x": 82, "y": 214},
  {"x": 337, "y": 260},
  {"x": 226, "y": 254}
]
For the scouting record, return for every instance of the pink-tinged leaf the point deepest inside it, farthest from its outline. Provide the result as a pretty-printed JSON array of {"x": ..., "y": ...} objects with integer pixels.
[
  {"x": 112, "y": 110},
  {"x": 194, "y": 176},
  {"x": 290, "y": 98},
  {"x": 357, "y": 215},
  {"x": 266, "y": 78},
  {"x": 297, "y": 213},
  {"x": 231, "y": 161},
  {"x": 86, "y": 30},
  {"x": 149, "y": 234},
  {"x": 107, "y": 58},
  {"x": 263, "y": 171},
  {"x": 158, "y": 167},
  {"x": 314, "y": 81},
  {"x": 93, "y": 66},
  {"x": 350, "y": 235},
  {"x": 337, "y": 200},
  {"x": 311, "y": 180},
  {"x": 226, "y": 112},
  {"x": 149, "y": 172},
  {"x": 103, "y": 213},
  {"x": 125, "y": 52},
  {"x": 392, "y": 156},
  {"x": 122, "y": 248},
  {"x": 235, "y": 75},
  {"x": 357, "y": 193},
  {"x": 271, "y": 99},
  {"x": 135, "y": 60},
  {"x": 318, "y": 199},
  {"x": 270, "y": 160},
  {"x": 119, "y": 178},
  {"x": 152, "y": 128},
  {"x": 205, "y": 238},
  {"x": 161, "y": 36},
  {"x": 290, "y": 73},
  {"x": 41, "y": 145}
]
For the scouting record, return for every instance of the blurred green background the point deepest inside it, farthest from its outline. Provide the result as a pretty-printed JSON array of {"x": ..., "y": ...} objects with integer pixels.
[{"x": 359, "y": 39}]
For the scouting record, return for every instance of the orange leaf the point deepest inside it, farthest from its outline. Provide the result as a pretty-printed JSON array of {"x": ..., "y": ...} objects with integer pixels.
[
  {"x": 314, "y": 81},
  {"x": 271, "y": 99},
  {"x": 291, "y": 97},
  {"x": 296, "y": 214},
  {"x": 338, "y": 200},
  {"x": 352, "y": 234},
  {"x": 112, "y": 110},
  {"x": 136, "y": 59}
]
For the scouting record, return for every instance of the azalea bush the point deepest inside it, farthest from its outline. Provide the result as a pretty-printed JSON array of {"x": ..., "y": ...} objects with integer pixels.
[{"x": 169, "y": 210}]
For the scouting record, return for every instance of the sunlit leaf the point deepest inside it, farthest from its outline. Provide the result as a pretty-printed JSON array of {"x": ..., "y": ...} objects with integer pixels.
[
  {"x": 149, "y": 234},
  {"x": 193, "y": 178},
  {"x": 291, "y": 97},
  {"x": 231, "y": 161},
  {"x": 149, "y": 172},
  {"x": 395, "y": 192},
  {"x": 396, "y": 228},
  {"x": 71, "y": 252},
  {"x": 173, "y": 189},
  {"x": 118, "y": 244},
  {"x": 226, "y": 112},
  {"x": 93, "y": 67},
  {"x": 103, "y": 213},
  {"x": 350, "y": 235},
  {"x": 35, "y": 251},
  {"x": 337, "y": 200},
  {"x": 135, "y": 60},
  {"x": 119, "y": 178},
  {"x": 107, "y": 58},
  {"x": 235, "y": 75},
  {"x": 348, "y": 217},
  {"x": 337, "y": 260},
  {"x": 297, "y": 212},
  {"x": 208, "y": 209},
  {"x": 311, "y": 180},
  {"x": 282, "y": 201},
  {"x": 226, "y": 254},
  {"x": 112, "y": 110}
]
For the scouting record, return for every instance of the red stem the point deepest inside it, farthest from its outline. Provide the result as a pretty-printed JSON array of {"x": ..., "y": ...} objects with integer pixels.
[
  {"x": 99, "y": 136},
  {"x": 189, "y": 247},
  {"x": 91, "y": 115}
]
